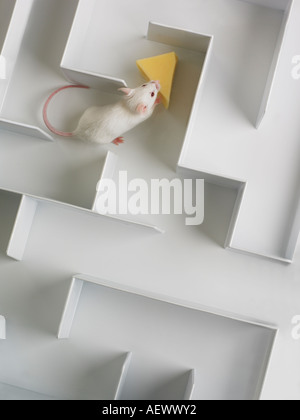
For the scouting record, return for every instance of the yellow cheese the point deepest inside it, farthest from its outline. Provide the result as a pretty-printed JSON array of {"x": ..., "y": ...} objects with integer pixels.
[{"x": 162, "y": 68}]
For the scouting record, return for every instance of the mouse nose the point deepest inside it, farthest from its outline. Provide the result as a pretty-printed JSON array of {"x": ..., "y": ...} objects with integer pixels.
[{"x": 157, "y": 84}]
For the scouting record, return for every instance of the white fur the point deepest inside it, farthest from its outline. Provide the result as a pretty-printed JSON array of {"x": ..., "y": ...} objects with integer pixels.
[{"x": 104, "y": 124}]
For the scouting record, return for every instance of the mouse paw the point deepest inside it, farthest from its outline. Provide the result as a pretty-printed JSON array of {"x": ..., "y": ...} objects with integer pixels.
[
  {"x": 158, "y": 101},
  {"x": 119, "y": 140}
]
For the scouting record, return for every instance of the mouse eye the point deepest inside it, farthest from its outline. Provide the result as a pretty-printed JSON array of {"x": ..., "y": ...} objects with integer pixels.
[
  {"x": 144, "y": 85},
  {"x": 152, "y": 94}
]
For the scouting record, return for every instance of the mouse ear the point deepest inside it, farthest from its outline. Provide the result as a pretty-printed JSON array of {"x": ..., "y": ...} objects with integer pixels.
[
  {"x": 127, "y": 91},
  {"x": 141, "y": 109}
]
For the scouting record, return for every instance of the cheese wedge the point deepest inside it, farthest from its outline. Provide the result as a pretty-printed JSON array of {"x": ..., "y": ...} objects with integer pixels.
[{"x": 162, "y": 68}]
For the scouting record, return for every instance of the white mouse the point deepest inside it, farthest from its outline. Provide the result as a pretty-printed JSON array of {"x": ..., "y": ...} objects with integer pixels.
[{"x": 106, "y": 124}]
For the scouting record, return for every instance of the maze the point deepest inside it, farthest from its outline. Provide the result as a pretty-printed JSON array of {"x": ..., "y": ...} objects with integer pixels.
[{"x": 217, "y": 129}]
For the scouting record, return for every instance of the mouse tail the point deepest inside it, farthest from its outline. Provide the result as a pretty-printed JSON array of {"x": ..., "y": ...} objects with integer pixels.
[{"x": 45, "y": 110}]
